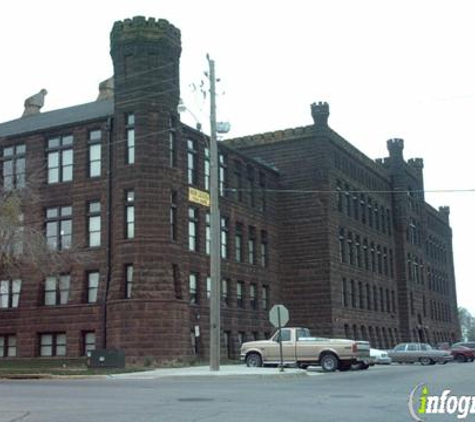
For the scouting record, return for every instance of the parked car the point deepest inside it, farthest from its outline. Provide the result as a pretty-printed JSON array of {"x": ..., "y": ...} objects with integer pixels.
[
  {"x": 379, "y": 357},
  {"x": 469, "y": 344},
  {"x": 419, "y": 352},
  {"x": 463, "y": 354}
]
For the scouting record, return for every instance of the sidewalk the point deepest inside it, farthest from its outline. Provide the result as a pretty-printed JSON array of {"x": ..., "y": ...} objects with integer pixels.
[{"x": 234, "y": 371}]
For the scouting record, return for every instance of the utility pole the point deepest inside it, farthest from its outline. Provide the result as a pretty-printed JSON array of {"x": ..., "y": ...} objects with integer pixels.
[{"x": 215, "y": 244}]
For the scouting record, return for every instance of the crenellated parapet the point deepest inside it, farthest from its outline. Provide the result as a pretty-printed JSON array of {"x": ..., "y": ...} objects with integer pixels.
[
  {"x": 270, "y": 137},
  {"x": 141, "y": 29},
  {"x": 416, "y": 163}
]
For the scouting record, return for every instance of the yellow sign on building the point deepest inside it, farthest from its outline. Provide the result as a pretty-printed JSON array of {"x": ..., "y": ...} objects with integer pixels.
[{"x": 198, "y": 196}]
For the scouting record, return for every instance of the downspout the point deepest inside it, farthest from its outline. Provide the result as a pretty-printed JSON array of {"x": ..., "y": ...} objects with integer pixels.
[{"x": 108, "y": 229}]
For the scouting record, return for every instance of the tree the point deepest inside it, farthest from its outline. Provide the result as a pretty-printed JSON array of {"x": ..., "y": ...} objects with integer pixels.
[
  {"x": 21, "y": 244},
  {"x": 467, "y": 324}
]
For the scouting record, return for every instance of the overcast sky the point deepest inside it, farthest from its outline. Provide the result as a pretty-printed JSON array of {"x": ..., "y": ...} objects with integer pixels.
[{"x": 387, "y": 68}]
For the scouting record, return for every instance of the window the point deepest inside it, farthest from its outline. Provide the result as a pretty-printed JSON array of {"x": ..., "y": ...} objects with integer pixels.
[
  {"x": 238, "y": 243},
  {"x": 14, "y": 167},
  {"x": 224, "y": 291},
  {"x": 339, "y": 197},
  {"x": 193, "y": 288},
  {"x": 57, "y": 290},
  {"x": 89, "y": 342},
  {"x": 95, "y": 153},
  {"x": 193, "y": 229},
  {"x": 265, "y": 297},
  {"x": 344, "y": 293},
  {"x": 130, "y": 133},
  {"x": 59, "y": 227},
  {"x": 129, "y": 280},
  {"x": 130, "y": 214},
  {"x": 368, "y": 297},
  {"x": 358, "y": 250},
  {"x": 172, "y": 141},
  {"x": 224, "y": 237},
  {"x": 363, "y": 208},
  {"x": 177, "y": 282},
  {"x": 208, "y": 288},
  {"x": 60, "y": 159},
  {"x": 10, "y": 293},
  {"x": 253, "y": 296},
  {"x": 251, "y": 187},
  {"x": 373, "y": 257},
  {"x": 240, "y": 294},
  {"x": 92, "y": 286},
  {"x": 264, "y": 249},
  {"x": 222, "y": 174},
  {"x": 208, "y": 233},
  {"x": 207, "y": 169},
  {"x": 350, "y": 249},
  {"x": 375, "y": 298},
  {"x": 53, "y": 344},
  {"x": 238, "y": 178},
  {"x": 361, "y": 295},
  {"x": 94, "y": 225},
  {"x": 192, "y": 162},
  {"x": 353, "y": 293},
  {"x": 370, "y": 212},
  {"x": 7, "y": 346},
  {"x": 262, "y": 187},
  {"x": 379, "y": 259},
  {"x": 251, "y": 245},
  {"x": 365, "y": 254},
  {"x": 173, "y": 216},
  {"x": 341, "y": 243}
]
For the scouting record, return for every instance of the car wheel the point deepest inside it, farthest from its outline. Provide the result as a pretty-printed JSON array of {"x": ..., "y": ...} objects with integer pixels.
[
  {"x": 302, "y": 365},
  {"x": 460, "y": 358},
  {"x": 425, "y": 361},
  {"x": 254, "y": 360},
  {"x": 329, "y": 362}
]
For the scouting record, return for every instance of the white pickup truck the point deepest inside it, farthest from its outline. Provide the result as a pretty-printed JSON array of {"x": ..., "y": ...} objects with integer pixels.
[{"x": 301, "y": 349}]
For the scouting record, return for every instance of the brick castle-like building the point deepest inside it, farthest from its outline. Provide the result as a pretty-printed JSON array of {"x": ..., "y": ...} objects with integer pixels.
[{"x": 347, "y": 243}]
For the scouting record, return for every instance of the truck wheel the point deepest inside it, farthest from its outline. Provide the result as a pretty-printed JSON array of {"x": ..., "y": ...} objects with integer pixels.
[
  {"x": 425, "y": 361},
  {"x": 253, "y": 360},
  {"x": 329, "y": 362}
]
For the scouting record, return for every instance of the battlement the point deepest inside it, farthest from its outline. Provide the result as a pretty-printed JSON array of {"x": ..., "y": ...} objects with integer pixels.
[
  {"x": 416, "y": 163},
  {"x": 320, "y": 113},
  {"x": 445, "y": 210},
  {"x": 270, "y": 137},
  {"x": 140, "y": 28}
]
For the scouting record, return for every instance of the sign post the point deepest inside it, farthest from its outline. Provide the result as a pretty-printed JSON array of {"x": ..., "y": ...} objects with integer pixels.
[{"x": 279, "y": 317}]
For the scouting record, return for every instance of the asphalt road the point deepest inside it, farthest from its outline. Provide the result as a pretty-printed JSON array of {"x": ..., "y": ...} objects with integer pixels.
[{"x": 378, "y": 394}]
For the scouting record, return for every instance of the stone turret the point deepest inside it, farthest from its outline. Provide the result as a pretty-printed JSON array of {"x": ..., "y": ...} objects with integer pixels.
[
  {"x": 146, "y": 57},
  {"x": 320, "y": 114},
  {"x": 395, "y": 147}
]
